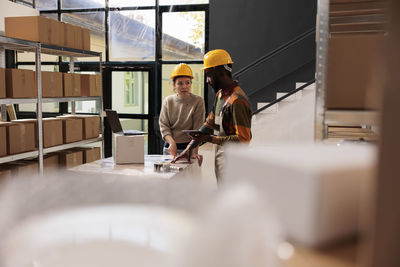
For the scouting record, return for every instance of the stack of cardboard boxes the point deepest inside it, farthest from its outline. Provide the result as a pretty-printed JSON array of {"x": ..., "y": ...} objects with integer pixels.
[
  {"x": 47, "y": 31},
  {"x": 19, "y": 83},
  {"x": 52, "y": 162}
]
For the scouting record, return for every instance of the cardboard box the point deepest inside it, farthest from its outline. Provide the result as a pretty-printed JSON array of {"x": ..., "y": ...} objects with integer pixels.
[
  {"x": 4, "y": 173},
  {"x": 72, "y": 84},
  {"x": 78, "y": 37},
  {"x": 26, "y": 167},
  {"x": 21, "y": 137},
  {"x": 20, "y": 83},
  {"x": 56, "y": 34},
  {"x": 355, "y": 79},
  {"x": 52, "y": 132},
  {"x": 52, "y": 84},
  {"x": 50, "y": 163},
  {"x": 32, "y": 28},
  {"x": 69, "y": 35},
  {"x": 69, "y": 159},
  {"x": 128, "y": 149},
  {"x": 91, "y": 154},
  {"x": 2, "y": 83},
  {"x": 99, "y": 85},
  {"x": 88, "y": 85},
  {"x": 72, "y": 129},
  {"x": 3, "y": 139},
  {"x": 85, "y": 39},
  {"x": 90, "y": 127}
]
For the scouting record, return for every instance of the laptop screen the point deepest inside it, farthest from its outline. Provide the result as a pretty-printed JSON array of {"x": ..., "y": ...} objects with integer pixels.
[{"x": 113, "y": 120}]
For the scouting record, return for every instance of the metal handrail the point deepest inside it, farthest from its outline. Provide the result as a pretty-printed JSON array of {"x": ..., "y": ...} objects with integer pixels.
[
  {"x": 283, "y": 97},
  {"x": 274, "y": 52}
]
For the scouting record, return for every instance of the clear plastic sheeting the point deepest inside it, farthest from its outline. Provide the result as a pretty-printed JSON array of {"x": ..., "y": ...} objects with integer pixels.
[
  {"x": 83, "y": 220},
  {"x": 237, "y": 230}
]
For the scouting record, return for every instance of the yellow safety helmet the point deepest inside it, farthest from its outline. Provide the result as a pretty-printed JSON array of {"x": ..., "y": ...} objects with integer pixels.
[
  {"x": 182, "y": 69},
  {"x": 215, "y": 58}
]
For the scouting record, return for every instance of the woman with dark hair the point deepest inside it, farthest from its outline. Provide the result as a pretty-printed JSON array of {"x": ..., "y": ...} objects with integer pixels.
[{"x": 180, "y": 111}]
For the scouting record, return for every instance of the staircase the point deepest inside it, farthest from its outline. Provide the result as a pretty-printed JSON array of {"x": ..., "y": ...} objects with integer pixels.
[{"x": 289, "y": 120}]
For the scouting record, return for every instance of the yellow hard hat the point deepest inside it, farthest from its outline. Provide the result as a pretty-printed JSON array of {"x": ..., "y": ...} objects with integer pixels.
[
  {"x": 215, "y": 58},
  {"x": 182, "y": 70}
]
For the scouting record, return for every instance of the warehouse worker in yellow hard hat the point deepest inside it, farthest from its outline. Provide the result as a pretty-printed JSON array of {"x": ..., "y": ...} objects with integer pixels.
[
  {"x": 230, "y": 119},
  {"x": 180, "y": 111}
]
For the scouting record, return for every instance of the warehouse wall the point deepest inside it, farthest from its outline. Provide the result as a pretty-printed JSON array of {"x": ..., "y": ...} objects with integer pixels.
[{"x": 251, "y": 29}]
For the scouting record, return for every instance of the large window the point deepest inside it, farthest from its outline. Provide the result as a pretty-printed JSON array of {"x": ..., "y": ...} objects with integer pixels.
[{"x": 139, "y": 48}]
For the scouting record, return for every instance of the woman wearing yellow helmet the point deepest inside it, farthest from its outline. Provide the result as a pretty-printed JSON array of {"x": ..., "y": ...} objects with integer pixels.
[{"x": 180, "y": 111}]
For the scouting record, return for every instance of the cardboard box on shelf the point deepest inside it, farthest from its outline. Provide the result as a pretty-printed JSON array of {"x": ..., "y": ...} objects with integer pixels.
[
  {"x": 128, "y": 149},
  {"x": 99, "y": 85},
  {"x": 69, "y": 159},
  {"x": 72, "y": 84},
  {"x": 2, "y": 83},
  {"x": 90, "y": 127},
  {"x": 90, "y": 154},
  {"x": 3, "y": 139},
  {"x": 52, "y": 132},
  {"x": 26, "y": 167},
  {"x": 20, "y": 83},
  {"x": 52, "y": 84},
  {"x": 72, "y": 129},
  {"x": 32, "y": 28},
  {"x": 78, "y": 37},
  {"x": 50, "y": 163},
  {"x": 69, "y": 35},
  {"x": 21, "y": 137},
  {"x": 56, "y": 35},
  {"x": 5, "y": 172},
  {"x": 354, "y": 77},
  {"x": 88, "y": 85},
  {"x": 85, "y": 39}
]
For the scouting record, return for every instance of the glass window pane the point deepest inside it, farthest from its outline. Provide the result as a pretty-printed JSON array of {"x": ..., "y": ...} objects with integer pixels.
[
  {"x": 132, "y": 35},
  {"x": 94, "y": 21},
  {"x": 183, "y": 35},
  {"x": 85, "y": 107},
  {"x": 130, "y": 92},
  {"x": 131, "y": 3},
  {"x": 135, "y": 124},
  {"x": 197, "y": 83},
  {"x": 69, "y": 4},
  {"x": 182, "y": 2},
  {"x": 30, "y": 57},
  {"x": 46, "y": 107},
  {"x": 46, "y": 4},
  {"x": 50, "y": 15}
]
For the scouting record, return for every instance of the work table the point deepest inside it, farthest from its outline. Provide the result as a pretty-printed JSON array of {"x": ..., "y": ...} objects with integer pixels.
[{"x": 141, "y": 170}]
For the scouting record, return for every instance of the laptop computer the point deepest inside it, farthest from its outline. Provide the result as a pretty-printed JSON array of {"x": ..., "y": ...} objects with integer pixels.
[{"x": 115, "y": 124}]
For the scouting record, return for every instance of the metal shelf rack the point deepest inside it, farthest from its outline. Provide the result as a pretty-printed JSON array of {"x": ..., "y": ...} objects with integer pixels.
[
  {"x": 35, "y": 153},
  {"x": 39, "y": 48},
  {"x": 323, "y": 116}
]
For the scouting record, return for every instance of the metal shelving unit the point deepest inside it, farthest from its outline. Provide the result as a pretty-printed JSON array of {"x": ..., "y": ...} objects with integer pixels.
[
  {"x": 35, "y": 153},
  {"x": 38, "y": 48},
  {"x": 323, "y": 116}
]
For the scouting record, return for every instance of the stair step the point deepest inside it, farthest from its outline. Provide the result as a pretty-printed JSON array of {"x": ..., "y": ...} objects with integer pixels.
[
  {"x": 293, "y": 97},
  {"x": 271, "y": 109}
]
